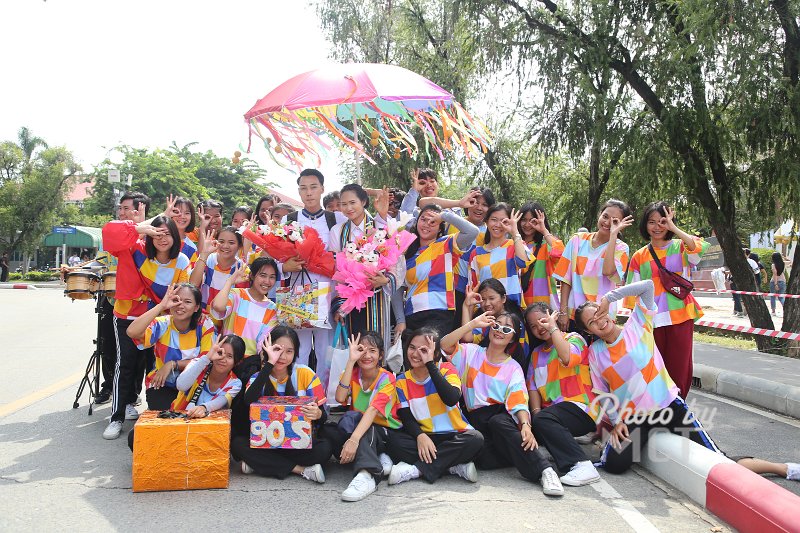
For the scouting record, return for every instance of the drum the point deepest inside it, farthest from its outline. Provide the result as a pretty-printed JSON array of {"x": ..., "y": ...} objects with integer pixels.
[
  {"x": 82, "y": 285},
  {"x": 108, "y": 284}
]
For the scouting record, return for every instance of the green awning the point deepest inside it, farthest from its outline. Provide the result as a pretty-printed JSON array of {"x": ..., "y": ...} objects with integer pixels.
[{"x": 84, "y": 237}]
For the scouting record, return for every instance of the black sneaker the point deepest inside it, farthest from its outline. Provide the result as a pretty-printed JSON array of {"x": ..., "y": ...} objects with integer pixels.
[{"x": 103, "y": 397}]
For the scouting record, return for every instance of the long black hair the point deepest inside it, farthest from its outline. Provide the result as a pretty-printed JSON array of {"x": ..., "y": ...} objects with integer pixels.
[
  {"x": 198, "y": 299},
  {"x": 278, "y": 333},
  {"x": 539, "y": 307},
  {"x": 777, "y": 260},
  {"x": 237, "y": 345},
  {"x": 424, "y": 331},
  {"x": 532, "y": 207},
  {"x": 412, "y": 249},
  {"x": 497, "y": 286},
  {"x": 359, "y": 191}
]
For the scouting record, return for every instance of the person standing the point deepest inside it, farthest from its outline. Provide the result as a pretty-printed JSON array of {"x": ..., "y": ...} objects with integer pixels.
[
  {"x": 311, "y": 187},
  {"x": 4, "y": 267},
  {"x": 676, "y": 251},
  {"x": 777, "y": 283}
]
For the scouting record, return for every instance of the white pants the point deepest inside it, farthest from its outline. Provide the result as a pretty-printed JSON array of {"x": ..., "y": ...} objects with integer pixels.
[{"x": 322, "y": 340}]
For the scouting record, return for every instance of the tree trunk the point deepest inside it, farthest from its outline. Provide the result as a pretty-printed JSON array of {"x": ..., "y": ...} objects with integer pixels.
[{"x": 595, "y": 188}]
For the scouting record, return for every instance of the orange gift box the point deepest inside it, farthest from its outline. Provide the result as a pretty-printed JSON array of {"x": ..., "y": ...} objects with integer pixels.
[{"x": 181, "y": 454}]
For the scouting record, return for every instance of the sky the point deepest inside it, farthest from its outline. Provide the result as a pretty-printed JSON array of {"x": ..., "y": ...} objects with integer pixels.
[{"x": 92, "y": 74}]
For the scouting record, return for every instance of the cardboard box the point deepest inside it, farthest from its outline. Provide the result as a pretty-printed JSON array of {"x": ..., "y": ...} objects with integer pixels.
[
  {"x": 277, "y": 422},
  {"x": 181, "y": 454}
]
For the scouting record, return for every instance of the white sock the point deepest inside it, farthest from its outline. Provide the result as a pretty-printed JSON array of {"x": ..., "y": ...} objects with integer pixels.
[{"x": 793, "y": 471}]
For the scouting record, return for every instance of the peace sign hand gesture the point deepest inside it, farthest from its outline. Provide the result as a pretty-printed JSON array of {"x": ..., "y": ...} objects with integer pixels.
[{"x": 170, "y": 209}]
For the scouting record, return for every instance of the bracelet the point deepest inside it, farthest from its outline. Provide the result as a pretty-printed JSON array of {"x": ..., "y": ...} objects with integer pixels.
[
  {"x": 353, "y": 441},
  {"x": 517, "y": 237},
  {"x": 200, "y": 259},
  {"x": 206, "y": 408},
  {"x": 522, "y": 424},
  {"x": 537, "y": 409},
  {"x": 555, "y": 328},
  {"x": 342, "y": 385}
]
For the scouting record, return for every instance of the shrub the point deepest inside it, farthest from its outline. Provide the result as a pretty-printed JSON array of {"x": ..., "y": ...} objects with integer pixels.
[
  {"x": 40, "y": 276},
  {"x": 14, "y": 276}
]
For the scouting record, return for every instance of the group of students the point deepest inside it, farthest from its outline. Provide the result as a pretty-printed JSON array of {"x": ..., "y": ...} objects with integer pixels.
[{"x": 498, "y": 360}]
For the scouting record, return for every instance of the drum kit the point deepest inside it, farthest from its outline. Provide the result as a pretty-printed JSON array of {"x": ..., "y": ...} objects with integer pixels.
[{"x": 92, "y": 281}]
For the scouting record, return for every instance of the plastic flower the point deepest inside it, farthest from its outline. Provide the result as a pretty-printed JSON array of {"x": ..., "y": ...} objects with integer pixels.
[
  {"x": 279, "y": 232},
  {"x": 351, "y": 247},
  {"x": 295, "y": 236}
]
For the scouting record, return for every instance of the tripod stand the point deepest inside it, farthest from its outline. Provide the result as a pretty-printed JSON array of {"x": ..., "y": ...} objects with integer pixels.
[{"x": 92, "y": 375}]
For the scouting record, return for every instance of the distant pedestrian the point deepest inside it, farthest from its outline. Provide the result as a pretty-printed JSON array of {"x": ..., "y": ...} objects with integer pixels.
[
  {"x": 777, "y": 283},
  {"x": 4, "y": 267}
]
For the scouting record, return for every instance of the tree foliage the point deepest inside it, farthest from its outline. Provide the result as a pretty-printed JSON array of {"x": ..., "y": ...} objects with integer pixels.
[
  {"x": 33, "y": 183},
  {"x": 180, "y": 171}
]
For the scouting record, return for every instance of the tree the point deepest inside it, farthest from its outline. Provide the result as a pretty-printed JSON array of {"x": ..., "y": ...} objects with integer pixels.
[
  {"x": 178, "y": 170},
  {"x": 29, "y": 142},
  {"x": 32, "y": 192},
  {"x": 710, "y": 80}
]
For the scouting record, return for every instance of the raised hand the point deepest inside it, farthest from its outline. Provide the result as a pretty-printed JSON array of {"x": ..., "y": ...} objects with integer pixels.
[
  {"x": 482, "y": 321},
  {"x": 356, "y": 348},
  {"x": 170, "y": 209},
  {"x": 238, "y": 273},
  {"x": 210, "y": 243},
  {"x": 272, "y": 352},
  {"x": 427, "y": 351},
  {"x": 469, "y": 199},
  {"x": 205, "y": 219},
  {"x": 538, "y": 222},
  {"x": 382, "y": 202},
  {"x": 415, "y": 184},
  {"x": 138, "y": 213},
  {"x": 472, "y": 297},
  {"x": 152, "y": 231},
  {"x": 602, "y": 309},
  {"x": 510, "y": 225},
  {"x": 618, "y": 225},
  {"x": 215, "y": 353},
  {"x": 668, "y": 221},
  {"x": 171, "y": 298},
  {"x": 549, "y": 322}
]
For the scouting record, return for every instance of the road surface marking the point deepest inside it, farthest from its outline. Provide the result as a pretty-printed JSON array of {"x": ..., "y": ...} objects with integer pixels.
[
  {"x": 30, "y": 399},
  {"x": 761, "y": 412},
  {"x": 623, "y": 507}
]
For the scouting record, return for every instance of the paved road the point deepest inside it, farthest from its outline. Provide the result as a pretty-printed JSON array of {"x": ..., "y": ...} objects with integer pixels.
[{"x": 56, "y": 472}]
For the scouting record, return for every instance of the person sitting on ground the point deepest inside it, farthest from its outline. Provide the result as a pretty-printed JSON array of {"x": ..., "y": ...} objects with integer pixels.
[
  {"x": 560, "y": 390},
  {"x": 281, "y": 376},
  {"x": 497, "y": 400},
  {"x": 360, "y": 436},
  {"x": 635, "y": 390},
  {"x": 436, "y": 437}
]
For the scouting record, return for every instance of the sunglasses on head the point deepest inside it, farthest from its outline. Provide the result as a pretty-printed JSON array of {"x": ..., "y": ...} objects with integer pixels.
[{"x": 505, "y": 330}]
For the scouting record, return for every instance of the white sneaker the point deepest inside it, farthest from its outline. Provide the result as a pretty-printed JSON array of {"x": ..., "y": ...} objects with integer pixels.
[
  {"x": 402, "y": 472},
  {"x": 113, "y": 430},
  {"x": 314, "y": 473},
  {"x": 551, "y": 486},
  {"x": 793, "y": 471},
  {"x": 582, "y": 473},
  {"x": 247, "y": 469},
  {"x": 386, "y": 463},
  {"x": 362, "y": 486},
  {"x": 131, "y": 413},
  {"x": 465, "y": 470},
  {"x": 585, "y": 439}
]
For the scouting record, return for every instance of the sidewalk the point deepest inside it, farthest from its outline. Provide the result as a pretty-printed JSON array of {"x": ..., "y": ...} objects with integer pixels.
[
  {"x": 720, "y": 309},
  {"x": 765, "y": 380}
]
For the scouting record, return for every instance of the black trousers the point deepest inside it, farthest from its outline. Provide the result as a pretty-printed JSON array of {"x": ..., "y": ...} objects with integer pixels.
[
  {"x": 279, "y": 462},
  {"x": 372, "y": 444},
  {"x": 451, "y": 449},
  {"x": 675, "y": 418},
  {"x": 438, "y": 319},
  {"x": 554, "y": 428},
  {"x": 129, "y": 370},
  {"x": 502, "y": 443},
  {"x": 108, "y": 355},
  {"x": 460, "y": 297},
  {"x": 160, "y": 399}
]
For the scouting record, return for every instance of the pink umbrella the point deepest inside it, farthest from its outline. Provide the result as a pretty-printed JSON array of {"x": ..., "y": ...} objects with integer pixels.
[{"x": 382, "y": 103}]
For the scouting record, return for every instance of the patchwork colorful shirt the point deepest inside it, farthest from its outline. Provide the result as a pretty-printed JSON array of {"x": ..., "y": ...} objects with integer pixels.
[
  {"x": 433, "y": 415},
  {"x": 675, "y": 257},
  {"x": 557, "y": 382},
  {"x": 141, "y": 282},
  {"x": 542, "y": 285},
  {"x": 382, "y": 396},
  {"x": 214, "y": 279},
  {"x": 581, "y": 267},
  {"x": 500, "y": 263},
  {"x": 189, "y": 249},
  {"x": 304, "y": 381},
  {"x": 247, "y": 318},
  {"x": 631, "y": 368},
  {"x": 170, "y": 344},
  {"x": 462, "y": 270},
  {"x": 429, "y": 276},
  {"x": 484, "y": 383}
]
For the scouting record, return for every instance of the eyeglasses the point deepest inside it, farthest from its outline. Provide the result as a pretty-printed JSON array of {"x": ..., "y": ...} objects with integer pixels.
[{"x": 505, "y": 330}]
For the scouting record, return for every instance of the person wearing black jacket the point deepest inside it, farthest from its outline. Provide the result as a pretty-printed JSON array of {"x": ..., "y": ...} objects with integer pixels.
[
  {"x": 436, "y": 437},
  {"x": 281, "y": 376}
]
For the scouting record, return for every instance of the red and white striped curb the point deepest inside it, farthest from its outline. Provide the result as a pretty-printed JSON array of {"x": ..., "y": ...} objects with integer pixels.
[
  {"x": 17, "y": 286},
  {"x": 751, "y": 293},
  {"x": 743, "y": 499}
]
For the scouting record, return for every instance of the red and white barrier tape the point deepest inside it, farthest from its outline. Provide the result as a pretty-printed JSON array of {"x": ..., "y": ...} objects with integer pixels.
[
  {"x": 733, "y": 327},
  {"x": 747, "y": 329},
  {"x": 765, "y": 294}
]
